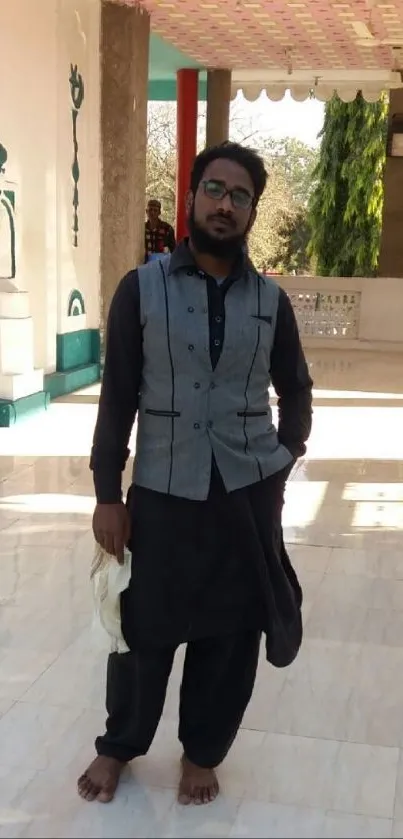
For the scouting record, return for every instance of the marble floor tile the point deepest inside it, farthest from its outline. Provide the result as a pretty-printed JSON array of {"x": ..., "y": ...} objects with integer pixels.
[
  {"x": 307, "y": 558},
  {"x": 33, "y": 736},
  {"x": 41, "y": 533},
  {"x": 211, "y": 822},
  {"x": 350, "y": 826},
  {"x": 47, "y": 630},
  {"x": 259, "y": 820},
  {"x": 376, "y": 561},
  {"x": 12, "y": 788},
  {"x": 358, "y": 609},
  {"x": 77, "y": 676},
  {"x": 306, "y": 772},
  {"x": 19, "y": 669},
  {"x": 374, "y": 713},
  {"x": 239, "y": 766},
  {"x": 351, "y": 624},
  {"x": 397, "y": 830},
  {"x": 54, "y": 809},
  {"x": 313, "y": 694},
  {"x": 278, "y": 821},
  {"x": 5, "y": 705},
  {"x": 398, "y": 814}
]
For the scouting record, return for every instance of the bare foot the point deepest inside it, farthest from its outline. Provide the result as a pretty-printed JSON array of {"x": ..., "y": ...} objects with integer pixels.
[
  {"x": 197, "y": 785},
  {"x": 101, "y": 779}
]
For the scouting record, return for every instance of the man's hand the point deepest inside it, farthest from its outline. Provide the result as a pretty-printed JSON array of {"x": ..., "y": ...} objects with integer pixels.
[{"x": 111, "y": 527}]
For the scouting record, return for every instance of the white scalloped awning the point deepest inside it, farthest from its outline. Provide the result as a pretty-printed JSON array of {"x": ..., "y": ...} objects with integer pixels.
[{"x": 321, "y": 84}]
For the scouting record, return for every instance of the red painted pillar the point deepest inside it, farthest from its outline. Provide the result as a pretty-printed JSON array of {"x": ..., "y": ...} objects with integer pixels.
[{"x": 187, "y": 88}]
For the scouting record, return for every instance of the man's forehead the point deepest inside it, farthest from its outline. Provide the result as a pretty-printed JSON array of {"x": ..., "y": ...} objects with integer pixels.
[
  {"x": 154, "y": 205},
  {"x": 230, "y": 172}
]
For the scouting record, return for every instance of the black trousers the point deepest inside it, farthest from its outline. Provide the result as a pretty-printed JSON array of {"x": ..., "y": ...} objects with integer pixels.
[{"x": 218, "y": 680}]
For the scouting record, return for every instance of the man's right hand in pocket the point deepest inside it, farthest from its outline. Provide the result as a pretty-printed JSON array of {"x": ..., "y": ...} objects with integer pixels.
[{"x": 111, "y": 527}]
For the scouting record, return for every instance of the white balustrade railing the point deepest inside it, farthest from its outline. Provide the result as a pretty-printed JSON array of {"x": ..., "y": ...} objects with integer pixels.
[
  {"x": 351, "y": 329},
  {"x": 366, "y": 311}
]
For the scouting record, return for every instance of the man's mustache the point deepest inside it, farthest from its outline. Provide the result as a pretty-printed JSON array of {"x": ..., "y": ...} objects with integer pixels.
[{"x": 221, "y": 217}]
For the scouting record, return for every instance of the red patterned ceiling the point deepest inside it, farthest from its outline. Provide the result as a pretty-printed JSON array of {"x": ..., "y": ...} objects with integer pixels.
[{"x": 274, "y": 34}]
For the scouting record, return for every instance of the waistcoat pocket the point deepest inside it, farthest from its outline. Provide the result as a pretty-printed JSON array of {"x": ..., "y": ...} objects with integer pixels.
[
  {"x": 162, "y": 413},
  {"x": 252, "y": 413}
]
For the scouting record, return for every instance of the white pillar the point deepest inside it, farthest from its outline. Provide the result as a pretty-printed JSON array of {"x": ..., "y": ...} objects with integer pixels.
[{"x": 18, "y": 378}]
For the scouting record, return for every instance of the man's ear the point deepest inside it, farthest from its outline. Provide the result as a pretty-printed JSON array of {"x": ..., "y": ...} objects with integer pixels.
[{"x": 189, "y": 198}]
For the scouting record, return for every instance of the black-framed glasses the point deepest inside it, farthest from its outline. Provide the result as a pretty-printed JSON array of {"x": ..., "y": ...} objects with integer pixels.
[{"x": 241, "y": 199}]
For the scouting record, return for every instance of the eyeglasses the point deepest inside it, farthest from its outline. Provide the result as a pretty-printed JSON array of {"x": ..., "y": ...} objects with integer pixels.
[{"x": 241, "y": 199}]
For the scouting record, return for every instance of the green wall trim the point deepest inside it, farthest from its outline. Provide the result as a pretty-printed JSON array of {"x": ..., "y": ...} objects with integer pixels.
[
  {"x": 164, "y": 90},
  {"x": 59, "y": 384},
  {"x": 12, "y": 411},
  {"x": 76, "y": 305},
  {"x": 164, "y": 63},
  {"x": 75, "y": 349}
]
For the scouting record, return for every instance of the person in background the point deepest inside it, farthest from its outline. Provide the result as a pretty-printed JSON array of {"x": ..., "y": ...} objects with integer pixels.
[{"x": 159, "y": 235}]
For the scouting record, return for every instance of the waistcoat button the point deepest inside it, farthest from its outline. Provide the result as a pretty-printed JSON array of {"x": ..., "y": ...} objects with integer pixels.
[
  {"x": 191, "y": 347},
  {"x": 196, "y": 385},
  {"x": 217, "y": 342},
  {"x": 190, "y": 309},
  {"x": 196, "y": 426},
  {"x": 218, "y": 318}
]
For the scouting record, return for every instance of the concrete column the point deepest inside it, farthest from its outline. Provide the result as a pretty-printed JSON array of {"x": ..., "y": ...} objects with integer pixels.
[
  {"x": 391, "y": 254},
  {"x": 125, "y": 37},
  {"x": 218, "y": 106}
]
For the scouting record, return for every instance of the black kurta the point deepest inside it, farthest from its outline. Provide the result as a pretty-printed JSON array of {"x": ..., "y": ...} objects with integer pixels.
[{"x": 200, "y": 567}]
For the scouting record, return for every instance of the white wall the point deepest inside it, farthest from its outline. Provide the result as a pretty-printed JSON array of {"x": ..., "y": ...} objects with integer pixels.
[{"x": 38, "y": 43}]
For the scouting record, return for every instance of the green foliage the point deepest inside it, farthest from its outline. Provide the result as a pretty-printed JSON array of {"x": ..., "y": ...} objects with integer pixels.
[
  {"x": 345, "y": 211},
  {"x": 294, "y": 235}
]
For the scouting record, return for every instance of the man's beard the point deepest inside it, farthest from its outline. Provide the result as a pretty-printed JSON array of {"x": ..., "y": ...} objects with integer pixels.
[{"x": 204, "y": 242}]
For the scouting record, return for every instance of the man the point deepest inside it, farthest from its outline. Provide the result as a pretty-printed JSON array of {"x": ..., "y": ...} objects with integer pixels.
[
  {"x": 193, "y": 344},
  {"x": 159, "y": 235}
]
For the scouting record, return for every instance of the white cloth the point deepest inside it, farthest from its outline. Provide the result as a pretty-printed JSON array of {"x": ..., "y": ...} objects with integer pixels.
[{"x": 108, "y": 580}]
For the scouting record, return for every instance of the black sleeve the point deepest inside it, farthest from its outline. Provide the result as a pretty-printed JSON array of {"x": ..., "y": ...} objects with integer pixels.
[
  {"x": 118, "y": 402},
  {"x": 171, "y": 242},
  {"x": 291, "y": 380}
]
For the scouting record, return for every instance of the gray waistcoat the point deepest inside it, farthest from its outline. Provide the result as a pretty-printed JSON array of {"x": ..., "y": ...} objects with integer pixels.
[{"x": 187, "y": 410}]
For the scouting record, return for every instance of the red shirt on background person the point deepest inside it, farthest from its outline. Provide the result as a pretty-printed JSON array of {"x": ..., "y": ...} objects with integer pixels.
[{"x": 159, "y": 235}]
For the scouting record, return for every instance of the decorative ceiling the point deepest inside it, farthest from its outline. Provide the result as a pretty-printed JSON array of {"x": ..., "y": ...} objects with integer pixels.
[{"x": 300, "y": 44}]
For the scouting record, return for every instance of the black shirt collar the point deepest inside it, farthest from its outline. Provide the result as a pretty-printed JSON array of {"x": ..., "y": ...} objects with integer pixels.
[{"x": 183, "y": 259}]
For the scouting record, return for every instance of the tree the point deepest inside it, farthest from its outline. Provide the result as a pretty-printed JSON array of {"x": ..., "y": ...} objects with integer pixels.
[
  {"x": 346, "y": 205},
  {"x": 294, "y": 234}
]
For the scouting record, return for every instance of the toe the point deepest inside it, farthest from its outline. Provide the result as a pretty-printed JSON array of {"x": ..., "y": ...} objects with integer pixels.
[
  {"x": 214, "y": 790},
  {"x": 198, "y": 796},
  {"x": 105, "y": 797},
  {"x": 83, "y": 785},
  {"x": 184, "y": 799},
  {"x": 86, "y": 789},
  {"x": 107, "y": 792}
]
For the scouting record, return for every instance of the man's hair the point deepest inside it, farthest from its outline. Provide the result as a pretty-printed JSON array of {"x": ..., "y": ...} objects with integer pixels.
[
  {"x": 153, "y": 202},
  {"x": 247, "y": 158}
]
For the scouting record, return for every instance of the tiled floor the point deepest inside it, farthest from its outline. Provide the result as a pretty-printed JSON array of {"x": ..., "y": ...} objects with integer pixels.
[{"x": 320, "y": 752}]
